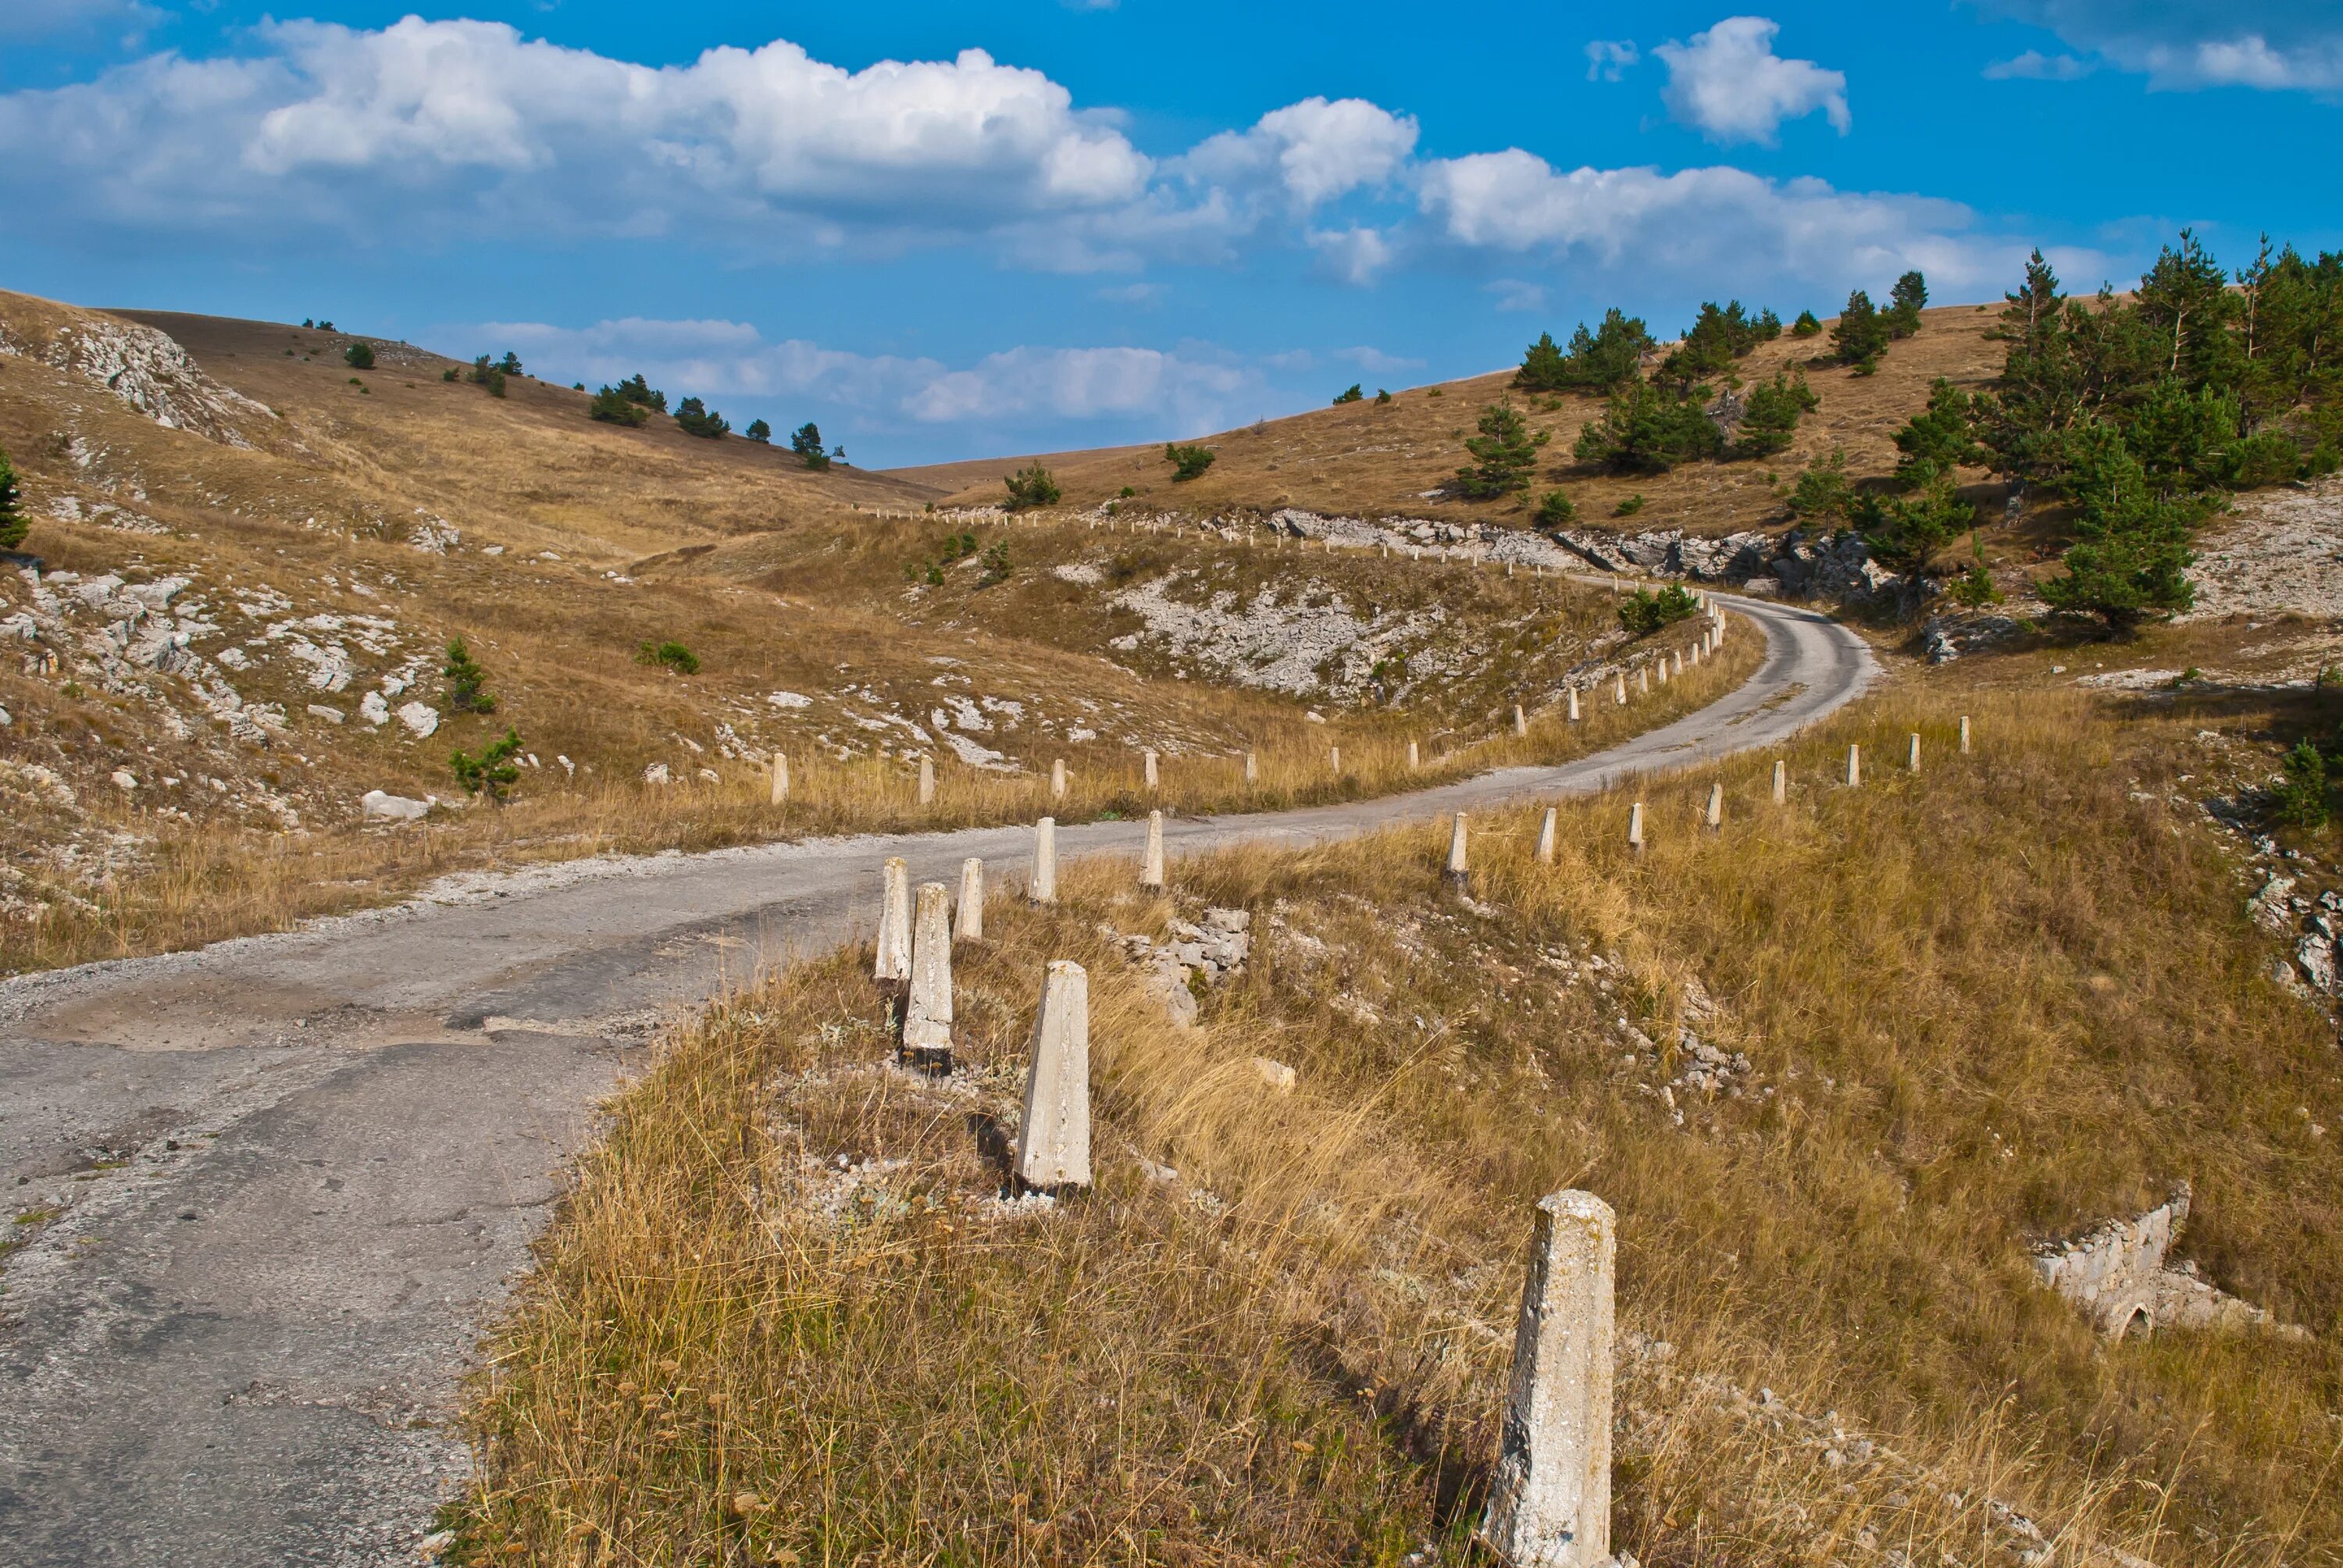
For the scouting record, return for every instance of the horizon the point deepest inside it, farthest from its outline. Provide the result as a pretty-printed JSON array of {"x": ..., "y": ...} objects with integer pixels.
[{"x": 943, "y": 240}]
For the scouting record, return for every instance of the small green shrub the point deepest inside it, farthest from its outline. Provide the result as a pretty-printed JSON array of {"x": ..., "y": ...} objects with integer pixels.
[
  {"x": 672, "y": 656},
  {"x": 1031, "y": 486},
  {"x": 758, "y": 432},
  {"x": 13, "y": 525},
  {"x": 1189, "y": 462},
  {"x": 464, "y": 681},
  {"x": 491, "y": 377},
  {"x": 493, "y": 771},
  {"x": 1555, "y": 510},
  {"x": 1350, "y": 394},
  {"x": 2268, "y": 459},
  {"x": 694, "y": 418},
  {"x": 1806, "y": 325},
  {"x": 1630, "y": 506},
  {"x": 1974, "y": 588},
  {"x": 1126, "y": 492},
  {"x": 448, "y": 375},
  {"x": 1645, "y": 612},
  {"x": 1382, "y": 396},
  {"x": 613, "y": 406},
  {"x": 2301, "y": 799},
  {"x": 996, "y": 564},
  {"x": 359, "y": 357},
  {"x": 805, "y": 442}
]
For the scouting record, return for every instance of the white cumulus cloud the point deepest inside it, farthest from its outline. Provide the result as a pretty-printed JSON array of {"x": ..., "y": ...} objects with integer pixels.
[
  {"x": 1609, "y": 59},
  {"x": 2273, "y": 45},
  {"x": 1729, "y": 84},
  {"x": 1312, "y": 151}
]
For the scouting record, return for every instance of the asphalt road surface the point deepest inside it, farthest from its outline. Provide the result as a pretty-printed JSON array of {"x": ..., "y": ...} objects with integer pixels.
[{"x": 292, "y": 1175}]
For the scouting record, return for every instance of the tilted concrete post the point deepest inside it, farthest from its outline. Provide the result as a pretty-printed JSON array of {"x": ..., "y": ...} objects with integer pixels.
[
  {"x": 780, "y": 779},
  {"x": 1912, "y": 755},
  {"x": 928, "y": 1015},
  {"x": 1151, "y": 868},
  {"x": 968, "y": 919},
  {"x": 1058, "y": 778},
  {"x": 1716, "y": 807},
  {"x": 894, "y": 921},
  {"x": 1695, "y": 655},
  {"x": 1573, "y": 705},
  {"x": 1550, "y": 1497},
  {"x": 1635, "y": 827},
  {"x": 1521, "y": 720},
  {"x": 1965, "y": 735},
  {"x": 1854, "y": 765},
  {"x": 1780, "y": 783},
  {"x": 1042, "y": 889},
  {"x": 927, "y": 780},
  {"x": 1545, "y": 837},
  {"x": 1456, "y": 871},
  {"x": 1148, "y": 761}
]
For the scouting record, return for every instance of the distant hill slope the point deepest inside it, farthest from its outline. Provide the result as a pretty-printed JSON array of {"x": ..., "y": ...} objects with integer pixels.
[{"x": 1395, "y": 459}]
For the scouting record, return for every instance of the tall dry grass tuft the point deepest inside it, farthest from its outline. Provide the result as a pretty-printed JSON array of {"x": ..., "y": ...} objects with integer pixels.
[{"x": 782, "y": 1318}]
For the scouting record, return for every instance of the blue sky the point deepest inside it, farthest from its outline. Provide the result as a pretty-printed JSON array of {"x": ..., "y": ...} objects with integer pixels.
[{"x": 953, "y": 231}]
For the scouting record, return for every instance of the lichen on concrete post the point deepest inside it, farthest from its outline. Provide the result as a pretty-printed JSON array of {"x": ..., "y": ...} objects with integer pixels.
[
  {"x": 1635, "y": 827},
  {"x": 1545, "y": 837},
  {"x": 894, "y": 961},
  {"x": 780, "y": 779},
  {"x": 927, "y": 780},
  {"x": 1042, "y": 886},
  {"x": 1781, "y": 782},
  {"x": 1854, "y": 765},
  {"x": 1456, "y": 866},
  {"x": 928, "y": 1015},
  {"x": 1550, "y": 1496},
  {"x": 968, "y": 917},
  {"x": 1151, "y": 868}
]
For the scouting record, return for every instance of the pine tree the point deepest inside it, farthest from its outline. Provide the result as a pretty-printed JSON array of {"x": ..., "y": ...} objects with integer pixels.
[
  {"x": 693, "y": 418},
  {"x": 637, "y": 389},
  {"x": 463, "y": 679},
  {"x": 1599, "y": 361},
  {"x": 1555, "y": 510},
  {"x": 1506, "y": 452},
  {"x": 613, "y": 406},
  {"x": 1942, "y": 437},
  {"x": 1542, "y": 366},
  {"x": 1353, "y": 393},
  {"x": 1861, "y": 334},
  {"x": 358, "y": 355},
  {"x": 1822, "y": 492},
  {"x": 1648, "y": 428},
  {"x": 1907, "y": 530},
  {"x": 1806, "y": 325},
  {"x": 1905, "y": 303},
  {"x": 492, "y": 773},
  {"x": 805, "y": 442},
  {"x": 1030, "y": 487},
  {"x": 1770, "y": 416},
  {"x": 13, "y": 525},
  {"x": 2032, "y": 313},
  {"x": 2130, "y": 558},
  {"x": 758, "y": 432},
  {"x": 1187, "y": 462},
  {"x": 2184, "y": 301}
]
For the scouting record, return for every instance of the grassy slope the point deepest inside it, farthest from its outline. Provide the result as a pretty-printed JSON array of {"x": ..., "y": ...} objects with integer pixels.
[
  {"x": 1361, "y": 459},
  {"x": 1997, "y": 1001}
]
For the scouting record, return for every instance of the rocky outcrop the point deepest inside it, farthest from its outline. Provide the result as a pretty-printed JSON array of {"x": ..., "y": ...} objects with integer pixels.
[
  {"x": 1197, "y": 956},
  {"x": 149, "y": 371}
]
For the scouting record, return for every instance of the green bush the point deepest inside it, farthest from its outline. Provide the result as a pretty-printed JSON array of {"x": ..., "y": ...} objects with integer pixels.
[
  {"x": 491, "y": 377},
  {"x": 758, "y": 432},
  {"x": 1382, "y": 396},
  {"x": 1974, "y": 588},
  {"x": 2270, "y": 458},
  {"x": 448, "y": 375},
  {"x": 672, "y": 656},
  {"x": 1862, "y": 333},
  {"x": 693, "y": 418},
  {"x": 1352, "y": 394},
  {"x": 463, "y": 680},
  {"x": 1942, "y": 436},
  {"x": 492, "y": 773},
  {"x": 1126, "y": 492},
  {"x": 1555, "y": 510},
  {"x": 613, "y": 406},
  {"x": 2301, "y": 799},
  {"x": 1806, "y": 325},
  {"x": 1630, "y": 506},
  {"x": 359, "y": 357},
  {"x": 996, "y": 564},
  {"x": 1031, "y": 486},
  {"x": 1647, "y": 429},
  {"x": 1770, "y": 416},
  {"x": 1187, "y": 462},
  {"x": 636, "y": 389},
  {"x": 13, "y": 525},
  {"x": 1644, "y": 612}
]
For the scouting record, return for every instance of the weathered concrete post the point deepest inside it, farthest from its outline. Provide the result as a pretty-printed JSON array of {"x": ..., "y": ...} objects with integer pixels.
[
  {"x": 1042, "y": 889},
  {"x": 1053, "y": 1144},
  {"x": 1058, "y": 778},
  {"x": 1573, "y": 705},
  {"x": 1635, "y": 827},
  {"x": 1715, "y": 808},
  {"x": 1550, "y": 1497},
  {"x": 1781, "y": 782},
  {"x": 927, "y": 780},
  {"x": 1695, "y": 655},
  {"x": 780, "y": 779},
  {"x": 1151, "y": 868},
  {"x": 894, "y": 921},
  {"x": 1965, "y": 735},
  {"x": 1413, "y": 757},
  {"x": 1621, "y": 695},
  {"x": 1334, "y": 759},
  {"x": 1147, "y": 759},
  {"x": 1912, "y": 755},
  {"x": 1678, "y": 659},
  {"x": 1253, "y": 769},
  {"x": 1545, "y": 837},
  {"x": 1663, "y": 669},
  {"x": 928, "y": 1016},
  {"x": 1644, "y": 679},
  {"x": 968, "y": 919},
  {"x": 1854, "y": 765},
  {"x": 1521, "y": 720},
  {"x": 1457, "y": 872}
]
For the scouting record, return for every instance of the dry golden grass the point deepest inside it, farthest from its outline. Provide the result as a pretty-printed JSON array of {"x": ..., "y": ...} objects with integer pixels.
[
  {"x": 207, "y": 881},
  {"x": 1998, "y": 1001},
  {"x": 1364, "y": 460}
]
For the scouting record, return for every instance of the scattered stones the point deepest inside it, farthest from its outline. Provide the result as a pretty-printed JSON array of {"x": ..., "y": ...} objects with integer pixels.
[
  {"x": 656, "y": 773},
  {"x": 2118, "y": 1275},
  {"x": 1276, "y": 1074},
  {"x": 379, "y": 806},
  {"x": 422, "y": 720}
]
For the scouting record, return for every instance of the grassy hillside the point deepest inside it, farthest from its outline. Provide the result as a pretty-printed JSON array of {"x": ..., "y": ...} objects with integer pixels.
[
  {"x": 252, "y": 557},
  {"x": 1387, "y": 460},
  {"x": 1837, "y": 1067}
]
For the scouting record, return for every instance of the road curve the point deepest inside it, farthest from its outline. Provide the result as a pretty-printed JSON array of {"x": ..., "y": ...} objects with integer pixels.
[{"x": 292, "y": 1174}]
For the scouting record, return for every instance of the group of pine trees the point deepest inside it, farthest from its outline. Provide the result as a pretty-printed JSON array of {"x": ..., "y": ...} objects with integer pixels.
[{"x": 633, "y": 401}]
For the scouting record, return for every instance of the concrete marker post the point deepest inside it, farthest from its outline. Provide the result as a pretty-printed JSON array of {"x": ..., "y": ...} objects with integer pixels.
[
  {"x": 1053, "y": 1142},
  {"x": 1912, "y": 754},
  {"x": 1252, "y": 769},
  {"x": 1715, "y": 808},
  {"x": 1854, "y": 766},
  {"x": 1545, "y": 837},
  {"x": 1147, "y": 764},
  {"x": 927, "y": 780},
  {"x": 781, "y": 779},
  {"x": 1413, "y": 758},
  {"x": 1573, "y": 705},
  {"x": 1644, "y": 679},
  {"x": 1550, "y": 1494},
  {"x": 1151, "y": 868},
  {"x": 1334, "y": 759},
  {"x": 1781, "y": 782},
  {"x": 1621, "y": 695},
  {"x": 968, "y": 919},
  {"x": 1456, "y": 873},
  {"x": 1058, "y": 778},
  {"x": 928, "y": 1015},
  {"x": 894, "y": 961},
  {"x": 1635, "y": 827},
  {"x": 1521, "y": 721},
  {"x": 1043, "y": 888},
  {"x": 1965, "y": 735}
]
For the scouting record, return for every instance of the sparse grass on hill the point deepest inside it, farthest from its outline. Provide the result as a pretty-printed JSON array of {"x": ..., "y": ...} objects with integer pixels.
[{"x": 778, "y": 1321}]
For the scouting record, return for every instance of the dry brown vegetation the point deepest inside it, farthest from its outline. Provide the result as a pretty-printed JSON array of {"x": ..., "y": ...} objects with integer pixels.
[
  {"x": 779, "y": 1322},
  {"x": 1363, "y": 460}
]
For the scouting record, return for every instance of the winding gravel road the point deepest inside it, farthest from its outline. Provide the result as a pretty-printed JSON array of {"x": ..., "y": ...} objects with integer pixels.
[{"x": 292, "y": 1175}]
